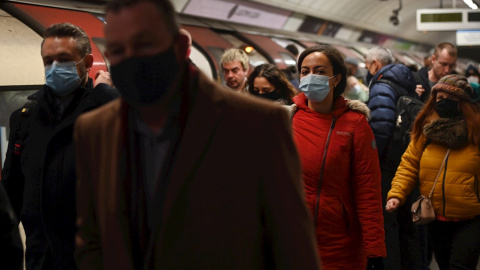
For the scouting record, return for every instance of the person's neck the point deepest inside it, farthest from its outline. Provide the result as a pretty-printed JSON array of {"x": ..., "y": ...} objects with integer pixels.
[
  {"x": 324, "y": 107},
  {"x": 154, "y": 115},
  {"x": 238, "y": 90},
  {"x": 432, "y": 77}
]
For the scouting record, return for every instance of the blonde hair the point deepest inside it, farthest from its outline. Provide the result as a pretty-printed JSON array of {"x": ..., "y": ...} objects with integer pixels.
[{"x": 231, "y": 55}]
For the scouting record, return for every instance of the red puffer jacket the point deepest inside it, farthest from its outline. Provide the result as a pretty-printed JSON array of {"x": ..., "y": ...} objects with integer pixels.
[{"x": 339, "y": 155}]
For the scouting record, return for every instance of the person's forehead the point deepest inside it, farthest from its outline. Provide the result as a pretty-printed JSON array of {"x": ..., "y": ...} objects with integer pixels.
[
  {"x": 444, "y": 56},
  {"x": 259, "y": 80},
  {"x": 232, "y": 65},
  {"x": 445, "y": 94},
  {"x": 59, "y": 45},
  {"x": 135, "y": 20},
  {"x": 316, "y": 59}
]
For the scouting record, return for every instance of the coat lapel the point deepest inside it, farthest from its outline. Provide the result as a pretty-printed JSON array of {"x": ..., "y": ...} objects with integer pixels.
[
  {"x": 196, "y": 137},
  {"x": 199, "y": 130}
]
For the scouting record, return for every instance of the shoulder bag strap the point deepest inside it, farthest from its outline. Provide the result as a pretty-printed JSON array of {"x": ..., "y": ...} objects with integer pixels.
[{"x": 438, "y": 174}]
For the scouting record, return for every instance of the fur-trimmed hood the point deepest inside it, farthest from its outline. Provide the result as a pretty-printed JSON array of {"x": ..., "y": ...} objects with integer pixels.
[
  {"x": 451, "y": 132},
  {"x": 358, "y": 106}
]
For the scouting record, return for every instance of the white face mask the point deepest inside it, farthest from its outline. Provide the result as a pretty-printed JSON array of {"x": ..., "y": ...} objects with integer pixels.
[{"x": 472, "y": 79}]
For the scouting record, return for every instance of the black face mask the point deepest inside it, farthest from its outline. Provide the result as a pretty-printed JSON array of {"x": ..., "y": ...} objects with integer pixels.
[
  {"x": 143, "y": 80},
  {"x": 447, "y": 108},
  {"x": 274, "y": 96}
]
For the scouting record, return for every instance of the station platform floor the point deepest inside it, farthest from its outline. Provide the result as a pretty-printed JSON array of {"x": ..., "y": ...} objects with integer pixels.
[{"x": 433, "y": 266}]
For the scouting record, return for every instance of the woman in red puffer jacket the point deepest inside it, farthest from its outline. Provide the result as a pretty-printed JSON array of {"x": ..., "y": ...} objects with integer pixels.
[{"x": 340, "y": 164}]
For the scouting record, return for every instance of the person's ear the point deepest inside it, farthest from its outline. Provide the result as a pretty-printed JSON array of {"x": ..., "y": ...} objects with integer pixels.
[
  {"x": 88, "y": 61},
  {"x": 338, "y": 78},
  {"x": 433, "y": 59}
]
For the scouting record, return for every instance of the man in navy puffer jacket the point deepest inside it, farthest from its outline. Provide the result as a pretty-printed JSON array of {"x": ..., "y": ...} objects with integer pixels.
[
  {"x": 389, "y": 82},
  {"x": 383, "y": 97}
]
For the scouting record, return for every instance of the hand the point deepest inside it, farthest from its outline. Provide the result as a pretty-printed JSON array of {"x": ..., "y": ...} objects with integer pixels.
[
  {"x": 102, "y": 77},
  {"x": 420, "y": 90},
  {"x": 392, "y": 205},
  {"x": 375, "y": 263}
]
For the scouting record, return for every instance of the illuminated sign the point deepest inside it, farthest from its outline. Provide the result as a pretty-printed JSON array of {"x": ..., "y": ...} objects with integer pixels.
[
  {"x": 468, "y": 37},
  {"x": 447, "y": 19},
  {"x": 239, "y": 11}
]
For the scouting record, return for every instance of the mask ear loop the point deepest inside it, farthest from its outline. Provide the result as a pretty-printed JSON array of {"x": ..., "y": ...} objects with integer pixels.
[
  {"x": 88, "y": 69},
  {"x": 335, "y": 84}
]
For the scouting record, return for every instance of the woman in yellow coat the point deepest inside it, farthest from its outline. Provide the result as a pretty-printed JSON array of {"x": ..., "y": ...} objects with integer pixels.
[{"x": 449, "y": 120}]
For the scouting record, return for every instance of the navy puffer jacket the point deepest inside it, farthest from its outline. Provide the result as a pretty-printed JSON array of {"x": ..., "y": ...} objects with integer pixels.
[{"x": 383, "y": 99}]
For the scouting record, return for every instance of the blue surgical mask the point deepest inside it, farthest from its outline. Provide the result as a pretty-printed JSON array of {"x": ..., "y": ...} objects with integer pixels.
[
  {"x": 62, "y": 78},
  {"x": 315, "y": 87}
]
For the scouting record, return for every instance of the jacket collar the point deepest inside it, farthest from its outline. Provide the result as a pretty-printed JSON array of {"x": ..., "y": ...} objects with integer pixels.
[
  {"x": 339, "y": 107},
  {"x": 78, "y": 104}
]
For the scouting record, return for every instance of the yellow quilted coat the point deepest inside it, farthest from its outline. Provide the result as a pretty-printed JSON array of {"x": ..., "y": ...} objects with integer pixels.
[{"x": 456, "y": 194}]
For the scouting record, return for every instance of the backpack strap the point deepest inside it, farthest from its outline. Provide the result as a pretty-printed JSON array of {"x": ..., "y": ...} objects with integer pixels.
[
  {"x": 21, "y": 132},
  {"x": 399, "y": 92}
]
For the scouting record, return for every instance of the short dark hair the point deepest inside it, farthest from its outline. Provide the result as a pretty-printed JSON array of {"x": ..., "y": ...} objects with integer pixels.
[
  {"x": 451, "y": 49},
  {"x": 274, "y": 76},
  {"x": 335, "y": 58},
  {"x": 82, "y": 42},
  {"x": 164, "y": 6}
]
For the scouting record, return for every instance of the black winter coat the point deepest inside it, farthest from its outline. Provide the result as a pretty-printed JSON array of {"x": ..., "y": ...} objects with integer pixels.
[
  {"x": 41, "y": 181},
  {"x": 421, "y": 77}
]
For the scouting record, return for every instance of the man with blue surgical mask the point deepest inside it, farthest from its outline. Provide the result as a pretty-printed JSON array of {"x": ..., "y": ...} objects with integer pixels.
[{"x": 39, "y": 170}]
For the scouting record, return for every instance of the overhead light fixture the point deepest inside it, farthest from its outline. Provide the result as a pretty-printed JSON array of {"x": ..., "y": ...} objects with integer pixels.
[
  {"x": 248, "y": 49},
  {"x": 471, "y": 4}
]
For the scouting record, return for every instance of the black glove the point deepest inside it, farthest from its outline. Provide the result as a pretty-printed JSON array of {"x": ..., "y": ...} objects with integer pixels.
[{"x": 375, "y": 263}]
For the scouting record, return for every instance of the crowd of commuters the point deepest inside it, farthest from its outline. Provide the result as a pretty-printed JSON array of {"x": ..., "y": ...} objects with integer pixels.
[{"x": 152, "y": 180}]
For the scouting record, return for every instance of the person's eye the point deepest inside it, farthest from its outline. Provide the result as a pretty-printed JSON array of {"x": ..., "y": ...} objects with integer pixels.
[
  {"x": 63, "y": 60},
  {"x": 320, "y": 71},
  {"x": 305, "y": 72}
]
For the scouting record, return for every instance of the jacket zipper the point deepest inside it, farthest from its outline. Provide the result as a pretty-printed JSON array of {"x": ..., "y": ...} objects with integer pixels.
[
  {"x": 317, "y": 201},
  {"x": 443, "y": 186}
]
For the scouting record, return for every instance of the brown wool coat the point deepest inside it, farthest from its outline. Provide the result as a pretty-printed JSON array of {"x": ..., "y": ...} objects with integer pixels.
[{"x": 235, "y": 198}]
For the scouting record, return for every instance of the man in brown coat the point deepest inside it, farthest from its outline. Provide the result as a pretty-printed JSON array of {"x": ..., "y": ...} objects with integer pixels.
[{"x": 180, "y": 173}]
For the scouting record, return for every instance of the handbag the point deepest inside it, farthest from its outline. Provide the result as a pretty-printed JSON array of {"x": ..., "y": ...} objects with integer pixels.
[{"x": 422, "y": 209}]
